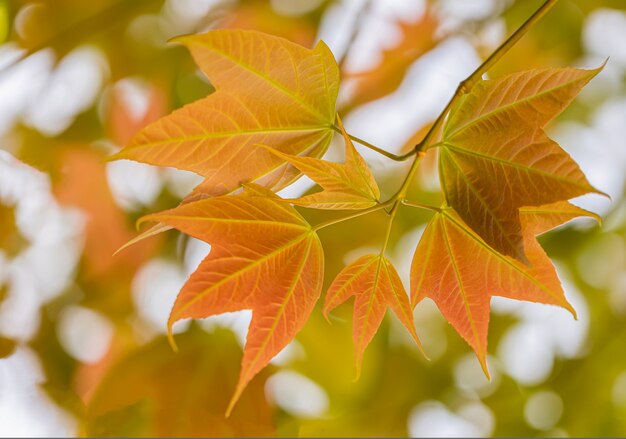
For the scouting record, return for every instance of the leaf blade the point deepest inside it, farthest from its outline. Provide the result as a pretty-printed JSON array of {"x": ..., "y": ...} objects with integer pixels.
[
  {"x": 287, "y": 103},
  {"x": 495, "y": 157},
  {"x": 376, "y": 285},
  {"x": 264, "y": 257},
  {"x": 460, "y": 272},
  {"x": 345, "y": 186}
]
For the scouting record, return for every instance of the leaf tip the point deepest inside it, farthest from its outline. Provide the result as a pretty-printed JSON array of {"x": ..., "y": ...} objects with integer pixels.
[
  {"x": 180, "y": 39},
  {"x": 234, "y": 399},
  {"x": 571, "y": 309},
  {"x": 326, "y": 314},
  {"x": 120, "y": 155},
  {"x": 170, "y": 337},
  {"x": 483, "y": 364},
  {"x": 124, "y": 247},
  {"x": 419, "y": 345}
]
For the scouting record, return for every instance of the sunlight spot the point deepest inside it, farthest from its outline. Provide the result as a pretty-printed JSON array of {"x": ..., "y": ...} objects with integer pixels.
[
  {"x": 604, "y": 33},
  {"x": 479, "y": 415},
  {"x": 602, "y": 260},
  {"x": 71, "y": 89},
  {"x": 469, "y": 376},
  {"x": 525, "y": 354},
  {"x": 84, "y": 334},
  {"x": 543, "y": 410},
  {"x": 293, "y": 351},
  {"x": 154, "y": 289},
  {"x": 433, "y": 419},
  {"x": 134, "y": 185},
  {"x": 296, "y": 394},
  {"x": 237, "y": 321},
  {"x": 31, "y": 276},
  {"x": 25, "y": 409}
]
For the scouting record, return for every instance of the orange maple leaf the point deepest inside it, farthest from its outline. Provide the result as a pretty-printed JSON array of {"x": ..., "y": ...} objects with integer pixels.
[
  {"x": 264, "y": 257},
  {"x": 417, "y": 38},
  {"x": 454, "y": 267},
  {"x": 268, "y": 91},
  {"x": 495, "y": 157},
  {"x": 375, "y": 285}
]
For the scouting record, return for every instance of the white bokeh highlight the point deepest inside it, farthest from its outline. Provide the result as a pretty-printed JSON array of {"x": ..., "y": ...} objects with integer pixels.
[{"x": 297, "y": 395}]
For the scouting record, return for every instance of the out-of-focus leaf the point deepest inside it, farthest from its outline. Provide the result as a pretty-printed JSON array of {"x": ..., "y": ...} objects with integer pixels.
[
  {"x": 123, "y": 124},
  {"x": 11, "y": 240},
  {"x": 83, "y": 184},
  {"x": 495, "y": 156},
  {"x": 4, "y": 20},
  {"x": 7, "y": 347},
  {"x": 417, "y": 38},
  {"x": 269, "y": 91},
  {"x": 262, "y": 16},
  {"x": 157, "y": 392},
  {"x": 264, "y": 257}
]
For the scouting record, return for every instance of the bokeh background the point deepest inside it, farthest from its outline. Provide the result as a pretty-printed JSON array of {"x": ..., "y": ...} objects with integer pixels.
[{"x": 82, "y": 346}]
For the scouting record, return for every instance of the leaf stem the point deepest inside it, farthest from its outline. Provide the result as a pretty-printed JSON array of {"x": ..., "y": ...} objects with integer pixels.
[
  {"x": 353, "y": 215},
  {"x": 421, "y": 206},
  {"x": 397, "y": 158}
]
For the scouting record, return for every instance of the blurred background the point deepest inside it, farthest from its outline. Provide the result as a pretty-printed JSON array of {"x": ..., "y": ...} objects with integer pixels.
[{"x": 82, "y": 346}]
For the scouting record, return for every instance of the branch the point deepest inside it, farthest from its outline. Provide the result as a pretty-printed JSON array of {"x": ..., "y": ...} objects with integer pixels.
[
  {"x": 466, "y": 85},
  {"x": 354, "y": 33},
  {"x": 397, "y": 158},
  {"x": 354, "y": 215}
]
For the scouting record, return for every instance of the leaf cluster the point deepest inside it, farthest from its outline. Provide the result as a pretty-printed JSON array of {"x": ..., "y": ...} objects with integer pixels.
[{"x": 272, "y": 118}]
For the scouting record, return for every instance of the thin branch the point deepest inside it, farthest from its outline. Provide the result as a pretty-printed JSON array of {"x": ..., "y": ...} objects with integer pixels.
[
  {"x": 354, "y": 215},
  {"x": 354, "y": 32},
  {"x": 466, "y": 85},
  {"x": 421, "y": 206},
  {"x": 389, "y": 155}
]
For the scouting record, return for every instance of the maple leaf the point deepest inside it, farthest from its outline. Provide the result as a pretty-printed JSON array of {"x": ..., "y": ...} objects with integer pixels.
[
  {"x": 375, "y": 284},
  {"x": 154, "y": 392},
  {"x": 456, "y": 268},
  {"x": 346, "y": 186},
  {"x": 268, "y": 91},
  {"x": 264, "y": 257},
  {"x": 496, "y": 158},
  {"x": 417, "y": 38},
  {"x": 83, "y": 184}
]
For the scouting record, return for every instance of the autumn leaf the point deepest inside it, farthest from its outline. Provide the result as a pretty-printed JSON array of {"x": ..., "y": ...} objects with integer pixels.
[
  {"x": 454, "y": 267},
  {"x": 122, "y": 122},
  {"x": 268, "y": 91},
  {"x": 416, "y": 38},
  {"x": 154, "y": 392},
  {"x": 7, "y": 347},
  {"x": 346, "y": 186},
  {"x": 264, "y": 257},
  {"x": 83, "y": 184},
  {"x": 496, "y": 158},
  {"x": 263, "y": 17},
  {"x": 375, "y": 285}
]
